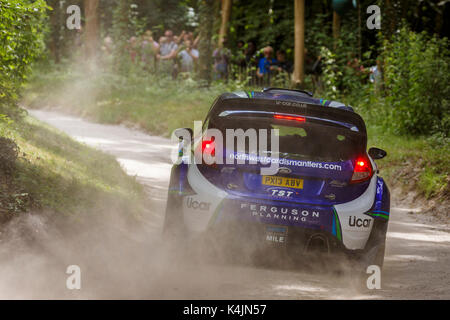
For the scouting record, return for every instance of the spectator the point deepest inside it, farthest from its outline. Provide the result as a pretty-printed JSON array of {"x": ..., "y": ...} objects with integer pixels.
[
  {"x": 168, "y": 47},
  {"x": 167, "y": 53},
  {"x": 250, "y": 53},
  {"x": 282, "y": 64},
  {"x": 149, "y": 38},
  {"x": 132, "y": 48},
  {"x": 149, "y": 50},
  {"x": 251, "y": 62},
  {"x": 313, "y": 67},
  {"x": 196, "y": 41},
  {"x": 239, "y": 56},
  {"x": 107, "y": 46},
  {"x": 375, "y": 75},
  {"x": 188, "y": 57},
  {"x": 184, "y": 36},
  {"x": 354, "y": 64},
  {"x": 264, "y": 64},
  {"x": 189, "y": 35},
  {"x": 221, "y": 61}
]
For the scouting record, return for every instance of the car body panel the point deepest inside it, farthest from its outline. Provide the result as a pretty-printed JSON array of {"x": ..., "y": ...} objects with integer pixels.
[
  {"x": 209, "y": 205},
  {"x": 326, "y": 203}
]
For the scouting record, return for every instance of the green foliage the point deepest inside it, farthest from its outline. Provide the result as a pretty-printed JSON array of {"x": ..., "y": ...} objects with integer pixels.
[
  {"x": 21, "y": 39},
  {"x": 266, "y": 22},
  {"x": 342, "y": 70},
  {"x": 318, "y": 33},
  {"x": 331, "y": 73},
  {"x": 416, "y": 80}
]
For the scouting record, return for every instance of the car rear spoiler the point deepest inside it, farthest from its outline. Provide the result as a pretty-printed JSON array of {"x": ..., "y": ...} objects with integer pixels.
[{"x": 307, "y": 110}]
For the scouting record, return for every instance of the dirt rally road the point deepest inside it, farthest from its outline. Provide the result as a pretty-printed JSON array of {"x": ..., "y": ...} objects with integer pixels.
[{"x": 417, "y": 264}]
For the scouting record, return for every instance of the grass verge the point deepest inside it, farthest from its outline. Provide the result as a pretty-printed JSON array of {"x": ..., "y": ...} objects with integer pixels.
[{"x": 54, "y": 173}]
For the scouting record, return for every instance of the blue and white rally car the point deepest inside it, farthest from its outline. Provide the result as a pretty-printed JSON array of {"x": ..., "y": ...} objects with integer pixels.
[{"x": 324, "y": 195}]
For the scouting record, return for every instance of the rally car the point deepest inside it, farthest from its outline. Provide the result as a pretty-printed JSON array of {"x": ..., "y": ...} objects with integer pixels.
[{"x": 323, "y": 194}]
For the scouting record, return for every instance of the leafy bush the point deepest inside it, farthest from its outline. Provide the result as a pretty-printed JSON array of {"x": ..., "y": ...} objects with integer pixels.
[
  {"x": 21, "y": 25},
  {"x": 331, "y": 73},
  {"x": 416, "y": 80}
]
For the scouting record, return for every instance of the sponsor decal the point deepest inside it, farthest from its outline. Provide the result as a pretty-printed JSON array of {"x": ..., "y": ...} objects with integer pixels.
[
  {"x": 276, "y": 238},
  {"x": 380, "y": 208},
  {"x": 197, "y": 205},
  {"x": 280, "y": 213},
  {"x": 281, "y": 193},
  {"x": 283, "y": 161},
  {"x": 276, "y": 235},
  {"x": 290, "y": 103},
  {"x": 336, "y": 227},
  {"x": 354, "y": 221},
  {"x": 378, "y": 214}
]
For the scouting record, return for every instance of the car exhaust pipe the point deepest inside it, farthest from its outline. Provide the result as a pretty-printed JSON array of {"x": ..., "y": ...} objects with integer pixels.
[{"x": 317, "y": 243}]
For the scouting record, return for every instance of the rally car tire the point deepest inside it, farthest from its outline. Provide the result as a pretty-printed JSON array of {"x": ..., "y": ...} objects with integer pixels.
[
  {"x": 173, "y": 228},
  {"x": 373, "y": 254},
  {"x": 376, "y": 245}
]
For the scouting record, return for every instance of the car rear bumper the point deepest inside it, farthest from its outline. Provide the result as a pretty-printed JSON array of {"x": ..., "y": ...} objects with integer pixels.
[{"x": 207, "y": 207}]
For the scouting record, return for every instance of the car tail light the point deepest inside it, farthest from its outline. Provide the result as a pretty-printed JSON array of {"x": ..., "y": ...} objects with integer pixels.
[
  {"x": 208, "y": 147},
  {"x": 284, "y": 117},
  {"x": 362, "y": 171},
  {"x": 208, "y": 150}
]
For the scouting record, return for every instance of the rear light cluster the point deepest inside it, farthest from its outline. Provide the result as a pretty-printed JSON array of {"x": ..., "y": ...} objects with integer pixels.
[
  {"x": 362, "y": 171},
  {"x": 284, "y": 117},
  {"x": 208, "y": 150},
  {"x": 208, "y": 147}
]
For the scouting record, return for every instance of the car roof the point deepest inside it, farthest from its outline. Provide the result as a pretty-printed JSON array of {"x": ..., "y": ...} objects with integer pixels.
[
  {"x": 291, "y": 101},
  {"x": 287, "y": 95}
]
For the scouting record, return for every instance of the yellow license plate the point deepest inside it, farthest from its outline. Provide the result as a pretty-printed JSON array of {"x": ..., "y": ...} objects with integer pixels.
[{"x": 282, "y": 182}]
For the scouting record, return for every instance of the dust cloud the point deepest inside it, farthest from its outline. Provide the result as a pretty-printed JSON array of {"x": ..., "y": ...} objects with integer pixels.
[{"x": 119, "y": 260}]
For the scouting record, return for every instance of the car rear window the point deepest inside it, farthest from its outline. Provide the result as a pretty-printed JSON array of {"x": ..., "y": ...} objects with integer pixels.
[{"x": 298, "y": 139}]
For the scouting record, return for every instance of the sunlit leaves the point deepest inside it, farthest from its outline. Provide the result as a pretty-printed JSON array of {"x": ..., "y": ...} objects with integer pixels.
[
  {"x": 20, "y": 42},
  {"x": 417, "y": 77}
]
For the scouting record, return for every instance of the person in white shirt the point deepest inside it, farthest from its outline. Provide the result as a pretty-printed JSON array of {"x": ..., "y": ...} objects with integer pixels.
[
  {"x": 167, "y": 54},
  {"x": 188, "y": 57}
]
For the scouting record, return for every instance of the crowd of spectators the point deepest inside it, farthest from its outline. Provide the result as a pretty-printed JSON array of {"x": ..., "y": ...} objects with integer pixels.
[{"x": 178, "y": 54}]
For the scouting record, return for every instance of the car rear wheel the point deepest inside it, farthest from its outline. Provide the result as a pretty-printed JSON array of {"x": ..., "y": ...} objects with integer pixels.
[
  {"x": 173, "y": 229},
  {"x": 375, "y": 247},
  {"x": 372, "y": 255}
]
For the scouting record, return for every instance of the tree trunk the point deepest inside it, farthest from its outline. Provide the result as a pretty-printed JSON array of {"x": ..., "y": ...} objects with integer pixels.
[
  {"x": 91, "y": 28},
  {"x": 358, "y": 7},
  {"x": 390, "y": 17},
  {"x": 205, "y": 47},
  {"x": 226, "y": 12},
  {"x": 55, "y": 23},
  {"x": 299, "y": 51},
  {"x": 336, "y": 28}
]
